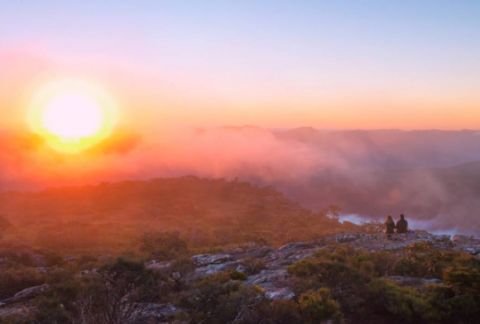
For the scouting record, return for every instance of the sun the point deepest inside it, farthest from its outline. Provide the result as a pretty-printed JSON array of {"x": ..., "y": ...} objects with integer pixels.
[{"x": 72, "y": 115}]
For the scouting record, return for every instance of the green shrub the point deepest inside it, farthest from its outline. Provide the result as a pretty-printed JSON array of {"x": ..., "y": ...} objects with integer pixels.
[
  {"x": 218, "y": 299},
  {"x": 370, "y": 264},
  {"x": 318, "y": 306},
  {"x": 422, "y": 259},
  {"x": 409, "y": 267},
  {"x": 463, "y": 278},
  {"x": 180, "y": 269},
  {"x": 164, "y": 245},
  {"x": 304, "y": 268},
  {"x": 113, "y": 295},
  {"x": 405, "y": 304},
  {"x": 15, "y": 279},
  {"x": 441, "y": 299},
  {"x": 253, "y": 266},
  {"x": 236, "y": 275},
  {"x": 53, "y": 259},
  {"x": 282, "y": 312},
  {"x": 464, "y": 292},
  {"x": 52, "y": 311}
]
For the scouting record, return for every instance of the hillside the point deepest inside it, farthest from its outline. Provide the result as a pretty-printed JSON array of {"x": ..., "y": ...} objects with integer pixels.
[
  {"x": 115, "y": 216},
  {"x": 190, "y": 250}
]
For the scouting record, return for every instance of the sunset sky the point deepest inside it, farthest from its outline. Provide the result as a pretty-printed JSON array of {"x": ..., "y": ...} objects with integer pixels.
[{"x": 326, "y": 64}]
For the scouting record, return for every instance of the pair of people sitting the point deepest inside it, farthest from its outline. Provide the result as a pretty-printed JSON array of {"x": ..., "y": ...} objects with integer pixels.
[{"x": 401, "y": 226}]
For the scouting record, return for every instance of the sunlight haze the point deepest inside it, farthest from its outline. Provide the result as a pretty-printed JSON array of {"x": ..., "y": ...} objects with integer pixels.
[{"x": 240, "y": 162}]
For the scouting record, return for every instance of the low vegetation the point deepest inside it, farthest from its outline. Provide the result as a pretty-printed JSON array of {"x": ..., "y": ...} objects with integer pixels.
[
  {"x": 121, "y": 217},
  {"x": 139, "y": 271},
  {"x": 368, "y": 284}
]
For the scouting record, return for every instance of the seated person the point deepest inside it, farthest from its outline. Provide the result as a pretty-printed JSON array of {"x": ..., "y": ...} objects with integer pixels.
[
  {"x": 402, "y": 225},
  {"x": 389, "y": 225}
]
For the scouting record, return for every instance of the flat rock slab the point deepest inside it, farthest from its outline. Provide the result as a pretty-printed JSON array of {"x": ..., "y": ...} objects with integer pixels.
[
  {"x": 154, "y": 313},
  {"x": 206, "y": 259},
  {"x": 413, "y": 281},
  {"x": 15, "y": 312},
  {"x": 27, "y": 293}
]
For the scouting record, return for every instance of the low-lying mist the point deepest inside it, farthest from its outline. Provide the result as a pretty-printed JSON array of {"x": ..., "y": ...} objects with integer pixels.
[{"x": 432, "y": 176}]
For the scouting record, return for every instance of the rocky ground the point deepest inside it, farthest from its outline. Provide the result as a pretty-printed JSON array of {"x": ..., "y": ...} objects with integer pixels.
[
  {"x": 274, "y": 278},
  {"x": 272, "y": 263}
]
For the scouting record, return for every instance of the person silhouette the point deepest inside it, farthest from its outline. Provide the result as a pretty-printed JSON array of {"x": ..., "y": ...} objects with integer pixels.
[
  {"x": 402, "y": 225},
  {"x": 389, "y": 226}
]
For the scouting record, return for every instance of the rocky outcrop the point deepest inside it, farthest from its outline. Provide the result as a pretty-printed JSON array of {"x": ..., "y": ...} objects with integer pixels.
[
  {"x": 265, "y": 267},
  {"x": 274, "y": 278},
  {"x": 467, "y": 244},
  {"x": 379, "y": 241}
]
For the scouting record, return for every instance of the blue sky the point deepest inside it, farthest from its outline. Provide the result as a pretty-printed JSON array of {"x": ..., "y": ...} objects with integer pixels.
[{"x": 308, "y": 51}]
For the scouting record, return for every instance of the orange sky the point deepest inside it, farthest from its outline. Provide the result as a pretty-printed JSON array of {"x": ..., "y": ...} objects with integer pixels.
[
  {"x": 274, "y": 64},
  {"x": 154, "y": 101}
]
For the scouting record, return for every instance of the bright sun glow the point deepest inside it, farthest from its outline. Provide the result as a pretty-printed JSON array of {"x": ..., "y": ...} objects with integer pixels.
[{"x": 72, "y": 115}]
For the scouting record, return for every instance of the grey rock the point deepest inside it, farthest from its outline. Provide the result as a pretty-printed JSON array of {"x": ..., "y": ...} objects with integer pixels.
[
  {"x": 27, "y": 293},
  {"x": 284, "y": 293},
  {"x": 347, "y": 237},
  {"x": 153, "y": 313},
  {"x": 274, "y": 283},
  {"x": 268, "y": 277},
  {"x": 15, "y": 313},
  {"x": 413, "y": 281},
  {"x": 457, "y": 238},
  {"x": 467, "y": 244},
  {"x": 42, "y": 270},
  {"x": 88, "y": 272},
  {"x": 70, "y": 258},
  {"x": 205, "y": 259},
  {"x": 241, "y": 268},
  {"x": 255, "y": 252},
  {"x": 215, "y": 268},
  {"x": 295, "y": 246},
  {"x": 157, "y": 265},
  {"x": 474, "y": 250}
]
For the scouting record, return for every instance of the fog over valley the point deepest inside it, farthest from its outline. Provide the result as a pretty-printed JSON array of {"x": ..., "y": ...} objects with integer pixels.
[{"x": 429, "y": 175}]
